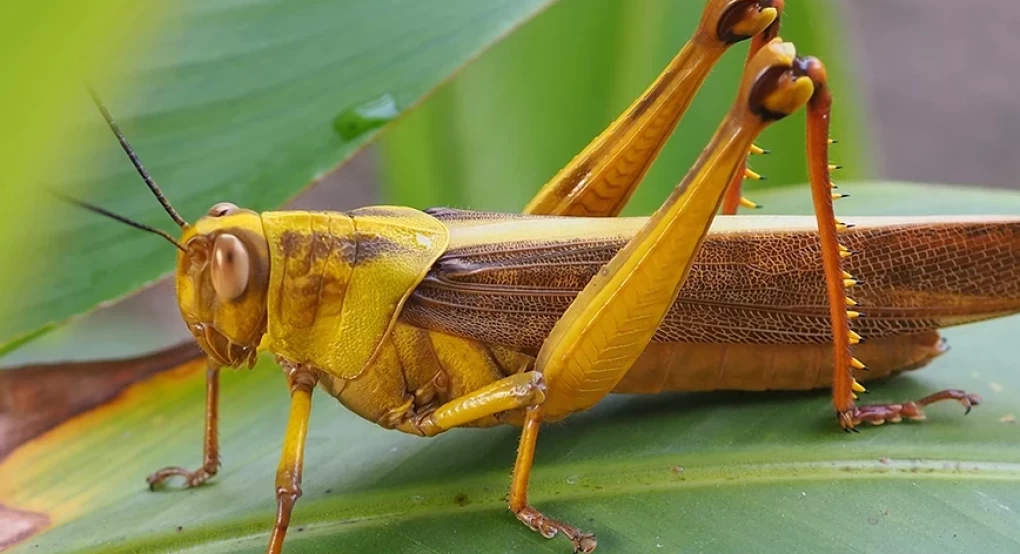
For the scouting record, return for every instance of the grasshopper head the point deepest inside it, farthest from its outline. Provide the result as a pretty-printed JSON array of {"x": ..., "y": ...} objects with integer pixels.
[
  {"x": 222, "y": 267},
  {"x": 222, "y": 283}
]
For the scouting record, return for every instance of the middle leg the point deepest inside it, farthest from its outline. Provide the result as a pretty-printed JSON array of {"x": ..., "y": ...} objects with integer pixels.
[{"x": 292, "y": 456}]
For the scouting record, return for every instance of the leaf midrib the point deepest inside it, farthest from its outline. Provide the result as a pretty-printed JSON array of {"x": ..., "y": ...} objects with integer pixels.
[{"x": 378, "y": 507}]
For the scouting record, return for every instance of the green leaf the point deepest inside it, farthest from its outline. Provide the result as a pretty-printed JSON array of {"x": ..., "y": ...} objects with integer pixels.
[
  {"x": 720, "y": 472},
  {"x": 492, "y": 137},
  {"x": 236, "y": 101}
]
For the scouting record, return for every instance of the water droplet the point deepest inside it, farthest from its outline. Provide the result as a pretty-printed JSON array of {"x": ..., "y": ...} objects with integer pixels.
[
  {"x": 417, "y": 499},
  {"x": 573, "y": 479},
  {"x": 358, "y": 120}
]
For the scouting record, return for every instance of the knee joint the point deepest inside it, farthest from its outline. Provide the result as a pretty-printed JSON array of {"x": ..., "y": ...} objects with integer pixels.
[{"x": 532, "y": 391}]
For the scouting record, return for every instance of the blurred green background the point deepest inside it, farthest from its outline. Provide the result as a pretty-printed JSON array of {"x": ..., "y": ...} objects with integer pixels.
[{"x": 43, "y": 64}]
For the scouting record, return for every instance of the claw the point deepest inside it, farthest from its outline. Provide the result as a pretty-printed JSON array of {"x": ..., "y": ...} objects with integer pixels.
[
  {"x": 969, "y": 401},
  {"x": 584, "y": 543},
  {"x": 191, "y": 478},
  {"x": 549, "y": 528}
]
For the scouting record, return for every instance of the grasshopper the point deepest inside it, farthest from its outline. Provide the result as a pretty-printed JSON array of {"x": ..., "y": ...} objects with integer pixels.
[{"x": 428, "y": 321}]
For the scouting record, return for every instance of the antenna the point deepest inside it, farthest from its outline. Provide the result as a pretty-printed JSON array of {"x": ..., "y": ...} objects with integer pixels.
[
  {"x": 141, "y": 171},
  {"x": 120, "y": 218}
]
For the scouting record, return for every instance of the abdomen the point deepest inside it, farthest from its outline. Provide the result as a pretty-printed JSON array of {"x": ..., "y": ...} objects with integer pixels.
[{"x": 755, "y": 367}]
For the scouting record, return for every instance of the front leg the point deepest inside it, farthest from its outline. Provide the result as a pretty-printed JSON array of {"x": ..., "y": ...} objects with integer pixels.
[
  {"x": 611, "y": 322},
  {"x": 600, "y": 180},
  {"x": 211, "y": 445}
]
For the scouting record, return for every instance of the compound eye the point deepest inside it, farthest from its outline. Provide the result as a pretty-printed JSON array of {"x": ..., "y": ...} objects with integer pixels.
[
  {"x": 230, "y": 267},
  {"x": 222, "y": 209}
]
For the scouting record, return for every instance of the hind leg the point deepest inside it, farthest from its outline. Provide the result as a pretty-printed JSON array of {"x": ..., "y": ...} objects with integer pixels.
[
  {"x": 599, "y": 181},
  {"x": 877, "y": 414},
  {"x": 611, "y": 322}
]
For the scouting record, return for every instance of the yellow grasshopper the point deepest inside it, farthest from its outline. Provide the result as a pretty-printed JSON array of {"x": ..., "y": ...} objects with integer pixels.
[{"x": 427, "y": 321}]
